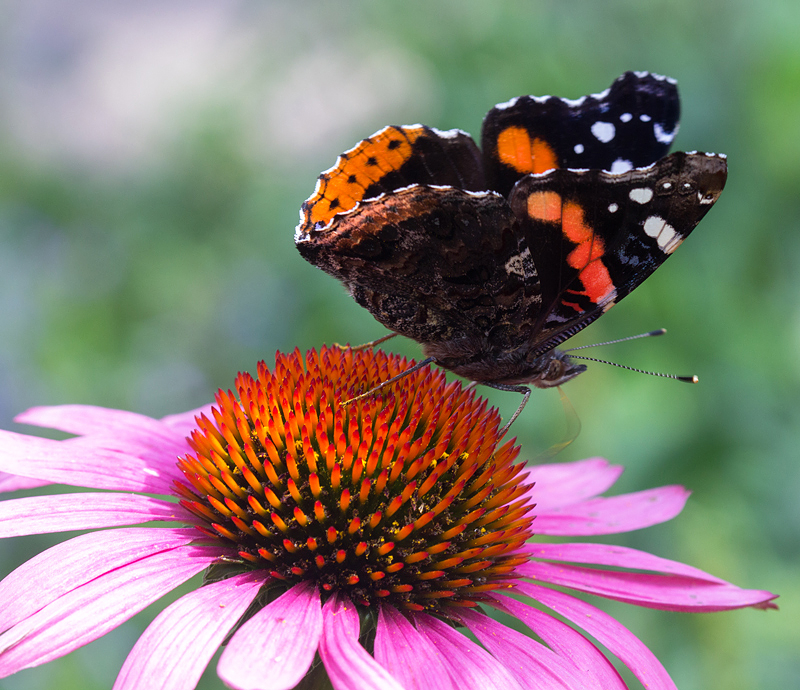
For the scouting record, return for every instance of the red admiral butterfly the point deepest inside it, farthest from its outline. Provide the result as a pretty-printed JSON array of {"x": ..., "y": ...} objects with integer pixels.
[{"x": 491, "y": 259}]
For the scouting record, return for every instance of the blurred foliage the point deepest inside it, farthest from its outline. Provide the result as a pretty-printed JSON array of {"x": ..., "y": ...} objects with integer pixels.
[{"x": 152, "y": 161}]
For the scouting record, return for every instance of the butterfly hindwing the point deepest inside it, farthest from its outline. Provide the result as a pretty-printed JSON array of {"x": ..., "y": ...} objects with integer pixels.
[{"x": 431, "y": 263}]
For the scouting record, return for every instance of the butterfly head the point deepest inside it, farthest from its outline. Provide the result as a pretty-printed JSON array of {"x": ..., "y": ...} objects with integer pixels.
[{"x": 554, "y": 368}]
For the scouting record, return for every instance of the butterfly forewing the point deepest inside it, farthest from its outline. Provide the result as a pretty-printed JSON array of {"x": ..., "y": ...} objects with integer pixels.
[{"x": 594, "y": 236}]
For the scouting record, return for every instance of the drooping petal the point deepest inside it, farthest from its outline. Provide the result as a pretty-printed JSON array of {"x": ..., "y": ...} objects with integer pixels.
[
  {"x": 95, "y": 608},
  {"x": 349, "y": 665},
  {"x": 667, "y": 592},
  {"x": 408, "y": 655},
  {"x": 274, "y": 649},
  {"x": 532, "y": 664},
  {"x": 618, "y": 556},
  {"x": 65, "y": 512},
  {"x": 179, "y": 643},
  {"x": 86, "y": 420},
  {"x": 184, "y": 422},
  {"x": 472, "y": 665},
  {"x": 613, "y": 515},
  {"x": 85, "y": 461},
  {"x": 12, "y": 482},
  {"x": 565, "y": 483},
  {"x": 567, "y": 641},
  {"x": 77, "y": 561},
  {"x": 609, "y": 632}
]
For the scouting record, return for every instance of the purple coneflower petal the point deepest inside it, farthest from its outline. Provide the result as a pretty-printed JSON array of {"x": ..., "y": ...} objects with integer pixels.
[
  {"x": 531, "y": 662},
  {"x": 607, "y": 631},
  {"x": 408, "y": 655},
  {"x": 86, "y": 420},
  {"x": 93, "y": 609},
  {"x": 667, "y": 592},
  {"x": 13, "y": 482},
  {"x": 83, "y": 461},
  {"x": 77, "y": 561},
  {"x": 65, "y": 512},
  {"x": 472, "y": 665},
  {"x": 184, "y": 423},
  {"x": 613, "y": 515},
  {"x": 349, "y": 665},
  {"x": 179, "y": 643},
  {"x": 566, "y": 641},
  {"x": 619, "y": 556},
  {"x": 563, "y": 484},
  {"x": 274, "y": 649}
]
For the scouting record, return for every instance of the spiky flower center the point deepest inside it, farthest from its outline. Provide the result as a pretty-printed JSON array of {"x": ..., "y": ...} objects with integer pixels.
[{"x": 404, "y": 497}]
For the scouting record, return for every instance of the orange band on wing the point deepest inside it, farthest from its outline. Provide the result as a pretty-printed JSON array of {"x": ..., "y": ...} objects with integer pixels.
[
  {"x": 343, "y": 187},
  {"x": 516, "y": 149},
  {"x": 545, "y": 206},
  {"x": 587, "y": 256}
]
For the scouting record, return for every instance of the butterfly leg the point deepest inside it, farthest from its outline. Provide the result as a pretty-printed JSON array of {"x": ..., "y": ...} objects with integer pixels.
[
  {"x": 389, "y": 382},
  {"x": 526, "y": 392},
  {"x": 365, "y": 346}
]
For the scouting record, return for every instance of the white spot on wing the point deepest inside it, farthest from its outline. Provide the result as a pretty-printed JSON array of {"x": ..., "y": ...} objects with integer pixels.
[
  {"x": 662, "y": 136},
  {"x": 613, "y": 208},
  {"x": 576, "y": 103},
  {"x": 644, "y": 117},
  {"x": 621, "y": 165},
  {"x": 604, "y": 131},
  {"x": 507, "y": 104},
  {"x": 449, "y": 133},
  {"x": 657, "y": 228},
  {"x": 641, "y": 195},
  {"x": 578, "y": 148},
  {"x": 625, "y": 117}
]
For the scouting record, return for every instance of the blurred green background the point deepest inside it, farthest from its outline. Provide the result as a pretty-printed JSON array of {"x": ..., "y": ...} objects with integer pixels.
[{"x": 153, "y": 158}]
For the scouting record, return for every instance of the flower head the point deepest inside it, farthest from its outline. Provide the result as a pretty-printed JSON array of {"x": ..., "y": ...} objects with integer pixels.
[
  {"x": 365, "y": 535},
  {"x": 404, "y": 499}
]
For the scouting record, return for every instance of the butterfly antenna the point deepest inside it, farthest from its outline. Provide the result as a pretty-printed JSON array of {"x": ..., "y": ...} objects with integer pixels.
[
  {"x": 651, "y": 334},
  {"x": 685, "y": 379}
]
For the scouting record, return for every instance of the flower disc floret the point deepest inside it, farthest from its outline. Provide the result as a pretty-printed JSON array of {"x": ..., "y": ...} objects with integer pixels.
[{"x": 405, "y": 497}]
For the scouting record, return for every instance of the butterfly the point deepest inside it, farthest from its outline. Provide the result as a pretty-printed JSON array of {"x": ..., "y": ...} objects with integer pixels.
[{"x": 490, "y": 258}]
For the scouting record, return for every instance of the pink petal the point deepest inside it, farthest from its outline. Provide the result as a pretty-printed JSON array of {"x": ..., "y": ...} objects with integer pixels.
[
  {"x": 619, "y": 556},
  {"x": 64, "y": 512},
  {"x": 613, "y": 515},
  {"x": 11, "y": 482},
  {"x": 472, "y": 666},
  {"x": 532, "y": 663},
  {"x": 409, "y": 656},
  {"x": 568, "y": 642},
  {"x": 613, "y": 635},
  {"x": 85, "y": 461},
  {"x": 85, "y": 420},
  {"x": 668, "y": 592},
  {"x": 274, "y": 649},
  {"x": 179, "y": 643},
  {"x": 91, "y": 610},
  {"x": 562, "y": 484},
  {"x": 71, "y": 564},
  {"x": 184, "y": 422},
  {"x": 349, "y": 665}
]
